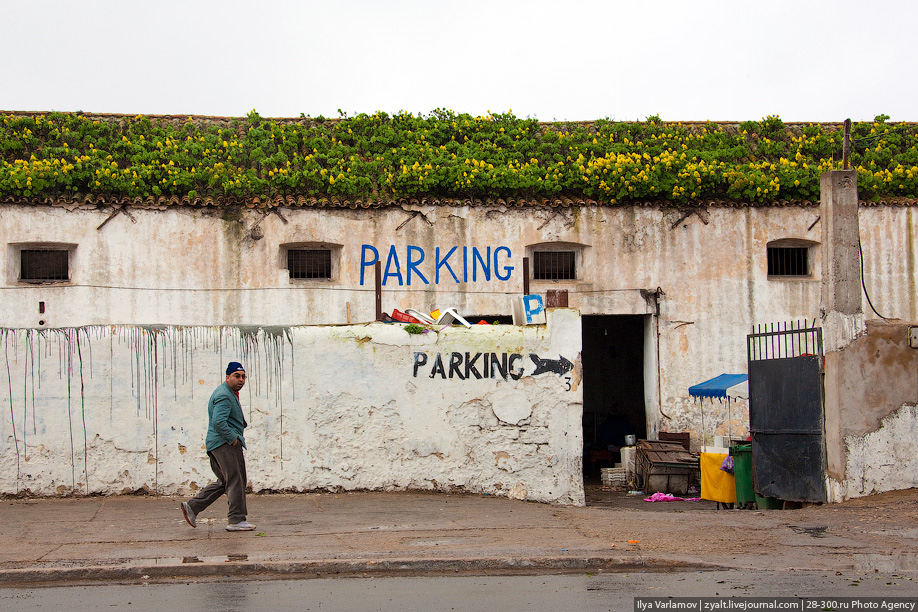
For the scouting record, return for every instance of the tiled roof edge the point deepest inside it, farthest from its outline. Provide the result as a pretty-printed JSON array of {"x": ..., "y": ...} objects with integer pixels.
[{"x": 561, "y": 201}]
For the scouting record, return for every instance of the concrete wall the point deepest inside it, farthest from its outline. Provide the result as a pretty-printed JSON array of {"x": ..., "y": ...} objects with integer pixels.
[
  {"x": 871, "y": 419},
  {"x": 202, "y": 267},
  {"x": 114, "y": 409},
  {"x": 182, "y": 266}
]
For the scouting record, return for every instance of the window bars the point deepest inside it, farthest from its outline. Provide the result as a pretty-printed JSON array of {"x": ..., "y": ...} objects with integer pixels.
[
  {"x": 554, "y": 265},
  {"x": 44, "y": 265},
  {"x": 788, "y": 261},
  {"x": 309, "y": 263}
]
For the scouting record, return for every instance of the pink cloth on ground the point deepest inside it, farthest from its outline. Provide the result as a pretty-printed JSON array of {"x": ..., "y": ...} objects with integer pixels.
[{"x": 664, "y": 497}]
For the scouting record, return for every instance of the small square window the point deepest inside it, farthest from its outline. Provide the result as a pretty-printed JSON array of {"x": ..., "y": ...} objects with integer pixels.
[
  {"x": 44, "y": 265},
  {"x": 788, "y": 261},
  {"x": 554, "y": 265},
  {"x": 309, "y": 263}
]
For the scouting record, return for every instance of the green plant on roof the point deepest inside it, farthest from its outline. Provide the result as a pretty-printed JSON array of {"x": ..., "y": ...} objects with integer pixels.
[
  {"x": 379, "y": 157},
  {"x": 414, "y": 328}
]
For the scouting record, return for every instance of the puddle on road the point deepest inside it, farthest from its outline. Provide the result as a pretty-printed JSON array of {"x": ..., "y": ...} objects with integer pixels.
[{"x": 814, "y": 531}]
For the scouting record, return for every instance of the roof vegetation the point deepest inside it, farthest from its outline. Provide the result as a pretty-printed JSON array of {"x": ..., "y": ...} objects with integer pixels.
[{"x": 381, "y": 157}]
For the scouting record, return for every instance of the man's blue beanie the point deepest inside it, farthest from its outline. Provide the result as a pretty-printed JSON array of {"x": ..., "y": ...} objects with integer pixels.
[{"x": 234, "y": 366}]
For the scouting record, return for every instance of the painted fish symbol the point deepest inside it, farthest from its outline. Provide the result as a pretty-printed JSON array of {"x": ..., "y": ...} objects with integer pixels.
[{"x": 559, "y": 366}]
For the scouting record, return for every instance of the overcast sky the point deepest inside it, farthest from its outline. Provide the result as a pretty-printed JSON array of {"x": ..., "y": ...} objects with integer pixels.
[{"x": 804, "y": 60}]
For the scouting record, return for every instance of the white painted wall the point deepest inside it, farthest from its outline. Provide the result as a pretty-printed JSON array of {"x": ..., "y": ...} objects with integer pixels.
[
  {"x": 882, "y": 460},
  {"x": 201, "y": 267},
  {"x": 117, "y": 409}
]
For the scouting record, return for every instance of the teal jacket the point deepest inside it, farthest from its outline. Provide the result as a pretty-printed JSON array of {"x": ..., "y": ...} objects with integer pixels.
[{"x": 225, "y": 421}]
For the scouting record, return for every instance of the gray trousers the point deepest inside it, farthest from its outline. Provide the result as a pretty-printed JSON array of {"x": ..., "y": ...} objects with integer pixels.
[{"x": 228, "y": 464}]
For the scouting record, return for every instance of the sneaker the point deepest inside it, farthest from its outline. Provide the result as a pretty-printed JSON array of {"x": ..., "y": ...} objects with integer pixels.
[
  {"x": 241, "y": 526},
  {"x": 190, "y": 516}
]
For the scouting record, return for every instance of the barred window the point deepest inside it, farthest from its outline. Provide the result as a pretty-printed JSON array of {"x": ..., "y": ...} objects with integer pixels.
[
  {"x": 44, "y": 265},
  {"x": 788, "y": 261},
  {"x": 309, "y": 263},
  {"x": 554, "y": 265}
]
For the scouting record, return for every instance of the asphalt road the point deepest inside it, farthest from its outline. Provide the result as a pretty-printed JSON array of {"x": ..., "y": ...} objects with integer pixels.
[{"x": 581, "y": 592}]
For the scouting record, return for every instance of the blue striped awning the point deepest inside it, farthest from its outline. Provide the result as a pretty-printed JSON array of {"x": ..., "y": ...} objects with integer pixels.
[{"x": 717, "y": 386}]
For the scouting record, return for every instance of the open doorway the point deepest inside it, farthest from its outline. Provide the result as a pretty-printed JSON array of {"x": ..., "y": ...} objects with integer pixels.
[{"x": 613, "y": 387}]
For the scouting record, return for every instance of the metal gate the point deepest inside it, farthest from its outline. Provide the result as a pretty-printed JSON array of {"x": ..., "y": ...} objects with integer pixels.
[{"x": 786, "y": 415}]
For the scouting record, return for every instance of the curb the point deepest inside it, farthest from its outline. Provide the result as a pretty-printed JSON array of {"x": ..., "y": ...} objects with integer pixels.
[{"x": 333, "y": 569}]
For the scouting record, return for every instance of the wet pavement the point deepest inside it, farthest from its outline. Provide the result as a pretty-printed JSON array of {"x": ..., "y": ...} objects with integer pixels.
[
  {"x": 145, "y": 538},
  {"x": 580, "y": 591}
]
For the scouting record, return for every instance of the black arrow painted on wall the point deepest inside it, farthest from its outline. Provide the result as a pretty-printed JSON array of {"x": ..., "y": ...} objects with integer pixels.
[{"x": 559, "y": 366}]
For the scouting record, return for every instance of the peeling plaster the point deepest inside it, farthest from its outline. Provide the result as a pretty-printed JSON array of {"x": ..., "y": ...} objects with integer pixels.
[
  {"x": 509, "y": 406},
  {"x": 116, "y": 409},
  {"x": 882, "y": 460}
]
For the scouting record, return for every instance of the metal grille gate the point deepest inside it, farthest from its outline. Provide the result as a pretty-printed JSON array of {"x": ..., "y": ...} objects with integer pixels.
[{"x": 786, "y": 415}]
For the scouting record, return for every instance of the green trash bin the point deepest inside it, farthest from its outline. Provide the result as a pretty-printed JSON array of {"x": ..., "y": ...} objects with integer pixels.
[{"x": 742, "y": 473}]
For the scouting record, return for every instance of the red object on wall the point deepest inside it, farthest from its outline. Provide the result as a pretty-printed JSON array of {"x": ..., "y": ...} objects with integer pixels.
[{"x": 398, "y": 315}]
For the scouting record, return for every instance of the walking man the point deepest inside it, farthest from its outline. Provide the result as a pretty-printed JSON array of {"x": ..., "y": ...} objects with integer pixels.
[{"x": 224, "y": 447}]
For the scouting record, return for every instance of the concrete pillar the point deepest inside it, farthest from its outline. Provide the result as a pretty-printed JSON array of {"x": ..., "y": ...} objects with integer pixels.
[
  {"x": 842, "y": 314},
  {"x": 841, "y": 261}
]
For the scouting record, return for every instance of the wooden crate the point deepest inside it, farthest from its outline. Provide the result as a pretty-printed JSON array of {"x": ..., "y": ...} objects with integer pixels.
[
  {"x": 665, "y": 467},
  {"x": 682, "y": 437}
]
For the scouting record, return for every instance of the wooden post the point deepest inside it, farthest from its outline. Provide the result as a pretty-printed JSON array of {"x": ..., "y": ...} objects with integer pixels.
[
  {"x": 525, "y": 276},
  {"x": 846, "y": 149},
  {"x": 377, "y": 268}
]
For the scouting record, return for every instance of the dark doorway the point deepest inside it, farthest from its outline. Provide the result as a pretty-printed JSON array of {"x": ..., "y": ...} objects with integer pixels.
[{"x": 613, "y": 387}]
